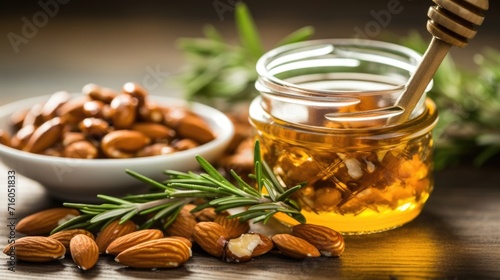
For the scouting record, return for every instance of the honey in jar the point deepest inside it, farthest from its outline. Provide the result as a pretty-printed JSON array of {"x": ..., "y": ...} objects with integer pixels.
[{"x": 361, "y": 175}]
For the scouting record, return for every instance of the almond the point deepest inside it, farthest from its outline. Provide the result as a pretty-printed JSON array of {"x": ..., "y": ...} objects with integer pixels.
[
  {"x": 84, "y": 251},
  {"x": 45, "y": 221},
  {"x": 137, "y": 91},
  {"x": 4, "y": 137},
  {"x": 234, "y": 226},
  {"x": 211, "y": 237},
  {"x": 126, "y": 241},
  {"x": 97, "y": 92},
  {"x": 329, "y": 242},
  {"x": 36, "y": 249},
  {"x": 158, "y": 253},
  {"x": 205, "y": 215},
  {"x": 183, "y": 239},
  {"x": 196, "y": 128},
  {"x": 45, "y": 136},
  {"x": 65, "y": 236},
  {"x": 294, "y": 247},
  {"x": 55, "y": 101},
  {"x": 247, "y": 246},
  {"x": 123, "y": 143},
  {"x": 72, "y": 111},
  {"x": 182, "y": 226},
  {"x": 112, "y": 231},
  {"x": 154, "y": 131},
  {"x": 124, "y": 108}
]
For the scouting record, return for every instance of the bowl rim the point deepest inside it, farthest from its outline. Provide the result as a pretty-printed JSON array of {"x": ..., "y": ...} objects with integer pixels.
[{"x": 218, "y": 121}]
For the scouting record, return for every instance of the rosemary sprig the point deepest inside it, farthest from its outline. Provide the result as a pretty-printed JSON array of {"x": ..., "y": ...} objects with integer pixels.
[{"x": 185, "y": 187}]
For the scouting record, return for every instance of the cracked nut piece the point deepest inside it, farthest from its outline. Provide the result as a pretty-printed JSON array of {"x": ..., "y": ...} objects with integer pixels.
[
  {"x": 84, "y": 251},
  {"x": 36, "y": 249},
  {"x": 43, "y": 222},
  {"x": 124, "y": 242},
  {"x": 329, "y": 242},
  {"x": 158, "y": 253},
  {"x": 294, "y": 247},
  {"x": 211, "y": 237},
  {"x": 247, "y": 246}
]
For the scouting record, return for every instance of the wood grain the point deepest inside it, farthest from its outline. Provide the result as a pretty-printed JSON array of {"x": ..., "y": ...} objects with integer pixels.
[{"x": 456, "y": 237}]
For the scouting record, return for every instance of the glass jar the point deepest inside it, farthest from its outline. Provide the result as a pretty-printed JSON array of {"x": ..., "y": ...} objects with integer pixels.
[{"x": 362, "y": 175}]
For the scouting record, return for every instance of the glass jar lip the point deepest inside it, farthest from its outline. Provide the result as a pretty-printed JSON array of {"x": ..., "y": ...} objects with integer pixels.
[{"x": 278, "y": 56}]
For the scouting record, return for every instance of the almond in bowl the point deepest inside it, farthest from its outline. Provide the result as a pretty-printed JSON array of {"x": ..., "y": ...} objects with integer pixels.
[{"x": 79, "y": 145}]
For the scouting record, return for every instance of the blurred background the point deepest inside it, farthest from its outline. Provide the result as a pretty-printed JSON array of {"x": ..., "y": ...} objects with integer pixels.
[
  {"x": 112, "y": 42},
  {"x": 52, "y": 45}
]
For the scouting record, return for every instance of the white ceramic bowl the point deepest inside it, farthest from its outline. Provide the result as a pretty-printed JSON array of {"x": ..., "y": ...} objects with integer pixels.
[{"x": 82, "y": 179}]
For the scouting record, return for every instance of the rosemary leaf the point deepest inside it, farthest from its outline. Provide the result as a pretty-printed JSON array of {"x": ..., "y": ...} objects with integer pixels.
[
  {"x": 249, "y": 36},
  {"x": 285, "y": 195},
  {"x": 111, "y": 214},
  {"x": 146, "y": 197},
  {"x": 201, "y": 207},
  {"x": 210, "y": 169},
  {"x": 263, "y": 206},
  {"x": 299, "y": 35},
  {"x": 231, "y": 199},
  {"x": 225, "y": 187},
  {"x": 270, "y": 175},
  {"x": 211, "y": 33},
  {"x": 73, "y": 222},
  {"x": 129, "y": 215},
  {"x": 269, "y": 188},
  {"x": 227, "y": 206},
  {"x": 147, "y": 180},
  {"x": 173, "y": 211}
]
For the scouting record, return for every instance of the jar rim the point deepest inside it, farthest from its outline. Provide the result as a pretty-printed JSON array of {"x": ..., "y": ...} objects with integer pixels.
[{"x": 277, "y": 56}]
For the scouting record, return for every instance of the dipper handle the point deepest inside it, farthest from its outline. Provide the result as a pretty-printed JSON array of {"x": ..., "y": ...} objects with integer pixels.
[{"x": 451, "y": 23}]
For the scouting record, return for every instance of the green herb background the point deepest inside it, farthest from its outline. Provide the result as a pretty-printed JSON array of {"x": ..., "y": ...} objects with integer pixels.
[{"x": 219, "y": 73}]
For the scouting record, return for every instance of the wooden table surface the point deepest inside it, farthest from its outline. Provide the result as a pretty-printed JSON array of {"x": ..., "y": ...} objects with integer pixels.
[{"x": 457, "y": 236}]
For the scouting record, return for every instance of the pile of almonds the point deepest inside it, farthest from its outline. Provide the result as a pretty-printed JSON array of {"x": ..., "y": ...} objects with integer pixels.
[
  {"x": 104, "y": 123},
  {"x": 227, "y": 239}
]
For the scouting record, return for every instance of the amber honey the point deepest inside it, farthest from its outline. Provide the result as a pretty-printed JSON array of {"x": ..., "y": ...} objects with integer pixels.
[{"x": 360, "y": 176}]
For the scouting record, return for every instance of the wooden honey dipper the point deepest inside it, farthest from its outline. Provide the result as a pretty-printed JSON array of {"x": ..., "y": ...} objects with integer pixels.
[{"x": 452, "y": 23}]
